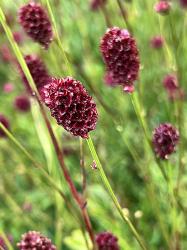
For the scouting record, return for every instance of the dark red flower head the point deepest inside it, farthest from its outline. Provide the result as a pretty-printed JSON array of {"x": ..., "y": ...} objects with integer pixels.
[
  {"x": 71, "y": 105},
  {"x": 96, "y": 4},
  {"x": 5, "y": 122},
  {"x": 183, "y": 3},
  {"x": 35, "y": 22},
  {"x": 163, "y": 7},
  {"x": 165, "y": 139},
  {"x": 38, "y": 72},
  {"x": 121, "y": 56},
  {"x": 22, "y": 103},
  {"x": 35, "y": 241},
  {"x": 107, "y": 241},
  {"x": 157, "y": 42}
]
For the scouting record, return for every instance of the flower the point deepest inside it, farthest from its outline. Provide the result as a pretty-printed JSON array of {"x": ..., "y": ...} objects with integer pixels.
[
  {"x": 35, "y": 22},
  {"x": 22, "y": 103},
  {"x": 162, "y": 7},
  {"x": 8, "y": 87},
  {"x": 107, "y": 241},
  {"x": 6, "y": 54},
  {"x": 157, "y": 42},
  {"x": 96, "y": 4},
  {"x": 171, "y": 85},
  {"x": 183, "y": 3},
  {"x": 35, "y": 241},
  {"x": 121, "y": 56},
  {"x": 18, "y": 37},
  {"x": 38, "y": 72},
  {"x": 6, "y": 124},
  {"x": 71, "y": 105},
  {"x": 165, "y": 139}
]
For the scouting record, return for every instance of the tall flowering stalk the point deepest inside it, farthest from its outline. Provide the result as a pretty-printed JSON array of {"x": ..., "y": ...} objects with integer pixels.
[{"x": 59, "y": 153}]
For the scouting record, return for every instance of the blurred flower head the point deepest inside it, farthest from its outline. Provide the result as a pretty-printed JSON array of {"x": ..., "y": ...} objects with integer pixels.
[
  {"x": 71, "y": 105},
  {"x": 22, "y": 103},
  {"x": 38, "y": 72},
  {"x": 5, "y": 53},
  {"x": 165, "y": 139},
  {"x": 6, "y": 124},
  {"x": 183, "y": 3},
  {"x": 171, "y": 85},
  {"x": 157, "y": 42},
  {"x": 96, "y": 4},
  {"x": 8, "y": 87},
  {"x": 121, "y": 57},
  {"x": 35, "y": 22},
  {"x": 18, "y": 37},
  {"x": 35, "y": 241},
  {"x": 107, "y": 241},
  {"x": 27, "y": 207},
  {"x": 162, "y": 7}
]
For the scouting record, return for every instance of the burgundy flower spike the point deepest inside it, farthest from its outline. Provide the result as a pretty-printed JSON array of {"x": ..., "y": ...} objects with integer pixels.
[
  {"x": 71, "y": 105},
  {"x": 165, "y": 139},
  {"x": 107, "y": 241},
  {"x": 35, "y": 241},
  {"x": 34, "y": 20},
  {"x": 121, "y": 57},
  {"x": 38, "y": 72}
]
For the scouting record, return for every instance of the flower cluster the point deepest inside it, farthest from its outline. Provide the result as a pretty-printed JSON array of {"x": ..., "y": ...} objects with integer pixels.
[
  {"x": 71, "y": 105},
  {"x": 157, "y": 42},
  {"x": 107, "y": 241},
  {"x": 165, "y": 139},
  {"x": 172, "y": 87},
  {"x": 183, "y": 3},
  {"x": 35, "y": 241},
  {"x": 38, "y": 72},
  {"x": 162, "y": 7},
  {"x": 121, "y": 57},
  {"x": 22, "y": 103},
  {"x": 34, "y": 20}
]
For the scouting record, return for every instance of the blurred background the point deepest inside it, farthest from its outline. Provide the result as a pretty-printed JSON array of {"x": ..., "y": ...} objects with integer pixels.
[{"x": 27, "y": 200}]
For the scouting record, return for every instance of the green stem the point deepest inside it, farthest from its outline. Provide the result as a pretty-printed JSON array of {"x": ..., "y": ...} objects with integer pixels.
[
  {"x": 111, "y": 193},
  {"x": 17, "y": 52},
  {"x": 37, "y": 165},
  {"x": 68, "y": 66},
  {"x": 7, "y": 242},
  {"x": 140, "y": 116}
]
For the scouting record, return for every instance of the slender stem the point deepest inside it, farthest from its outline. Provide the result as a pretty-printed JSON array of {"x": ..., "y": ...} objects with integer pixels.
[
  {"x": 140, "y": 116},
  {"x": 37, "y": 165},
  {"x": 59, "y": 153},
  {"x": 7, "y": 242},
  {"x": 68, "y": 67},
  {"x": 82, "y": 166},
  {"x": 121, "y": 7},
  {"x": 106, "y": 15},
  {"x": 111, "y": 193}
]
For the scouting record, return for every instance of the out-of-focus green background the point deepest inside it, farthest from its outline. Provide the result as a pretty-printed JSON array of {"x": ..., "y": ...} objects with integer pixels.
[{"x": 27, "y": 201}]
